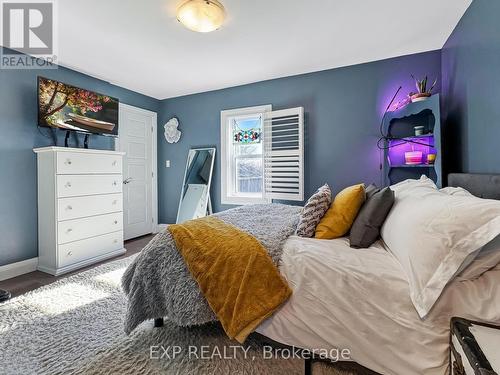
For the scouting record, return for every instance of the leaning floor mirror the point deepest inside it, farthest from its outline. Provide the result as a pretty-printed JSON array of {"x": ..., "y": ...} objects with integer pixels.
[{"x": 195, "y": 193}]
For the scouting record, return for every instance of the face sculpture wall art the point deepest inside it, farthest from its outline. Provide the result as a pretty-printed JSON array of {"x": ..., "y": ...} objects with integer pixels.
[{"x": 172, "y": 134}]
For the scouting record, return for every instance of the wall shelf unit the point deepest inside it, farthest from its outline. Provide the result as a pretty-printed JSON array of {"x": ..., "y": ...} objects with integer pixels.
[{"x": 399, "y": 127}]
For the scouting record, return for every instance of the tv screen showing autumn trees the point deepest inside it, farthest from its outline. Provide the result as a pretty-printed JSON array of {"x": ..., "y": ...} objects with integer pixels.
[{"x": 68, "y": 107}]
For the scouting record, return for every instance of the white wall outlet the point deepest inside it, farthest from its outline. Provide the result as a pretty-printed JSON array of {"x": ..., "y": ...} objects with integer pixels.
[{"x": 167, "y": 163}]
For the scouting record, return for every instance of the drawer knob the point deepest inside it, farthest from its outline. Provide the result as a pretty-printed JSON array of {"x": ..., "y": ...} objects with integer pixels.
[
  {"x": 69, "y": 208},
  {"x": 69, "y": 230},
  {"x": 114, "y": 163},
  {"x": 68, "y": 161},
  {"x": 115, "y": 241},
  {"x": 68, "y": 184},
  {"x": 114, "y": 202},
  {"x": 116, "y": 222},
  {"x": 115, "y": 183},
  {"x": 70, "y": 253}
]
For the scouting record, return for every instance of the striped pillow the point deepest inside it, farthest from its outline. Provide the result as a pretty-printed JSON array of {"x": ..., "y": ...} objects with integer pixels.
[{"x": 313, "y": 211}]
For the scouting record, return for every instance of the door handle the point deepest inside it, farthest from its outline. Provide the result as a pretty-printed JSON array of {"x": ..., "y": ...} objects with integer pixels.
[{"x": 127, "y": 180}]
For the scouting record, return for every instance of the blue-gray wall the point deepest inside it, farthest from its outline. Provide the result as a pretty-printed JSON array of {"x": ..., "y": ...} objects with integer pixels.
[
  {"x": 343, "y": 107},
  {"x": 471, "y": 90},
  {"x": 343, "y": 110},
  {"x": 19, "y": 135}
]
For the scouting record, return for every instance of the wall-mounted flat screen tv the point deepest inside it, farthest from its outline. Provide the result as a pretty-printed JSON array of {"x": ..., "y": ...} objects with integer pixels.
[{"x": 66, "y": 107}]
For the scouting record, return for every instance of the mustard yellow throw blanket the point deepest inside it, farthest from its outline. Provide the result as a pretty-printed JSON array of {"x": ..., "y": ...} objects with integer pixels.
[
  {"x": 234, "y": 272},
  {"x": 158, "y": 283}
]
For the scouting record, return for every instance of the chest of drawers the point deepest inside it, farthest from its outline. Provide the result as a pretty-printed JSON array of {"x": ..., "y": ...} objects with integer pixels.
[{"x": 80, "y": 207}]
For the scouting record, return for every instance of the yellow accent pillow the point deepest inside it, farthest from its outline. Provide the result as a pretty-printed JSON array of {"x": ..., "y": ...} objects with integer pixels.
[{"x": 340, "y": 216}]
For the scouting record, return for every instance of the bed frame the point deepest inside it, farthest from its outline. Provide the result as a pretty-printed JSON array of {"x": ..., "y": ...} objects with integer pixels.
[{"x": 481, "y": 185}]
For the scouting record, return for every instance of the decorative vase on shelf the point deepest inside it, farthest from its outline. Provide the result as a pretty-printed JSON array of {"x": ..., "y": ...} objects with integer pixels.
[
  {"x": 423, "y": 92},
  {"x": 413, "y": 157},
  {"x": 419, "y": 130},
  {"x": 420, "y": 97}
]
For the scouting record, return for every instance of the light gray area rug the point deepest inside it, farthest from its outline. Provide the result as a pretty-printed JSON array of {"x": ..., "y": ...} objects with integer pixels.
[{"x": 75, "y": 326}]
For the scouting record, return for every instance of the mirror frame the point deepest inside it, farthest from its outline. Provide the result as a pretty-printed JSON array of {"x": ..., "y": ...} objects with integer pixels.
[{"x": 209, "y": 184}]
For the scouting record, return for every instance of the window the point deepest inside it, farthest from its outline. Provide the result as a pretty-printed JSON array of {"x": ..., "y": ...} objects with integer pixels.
[
  {"x": 262, "y": 155},
  {"x": 242, "y": 155}
]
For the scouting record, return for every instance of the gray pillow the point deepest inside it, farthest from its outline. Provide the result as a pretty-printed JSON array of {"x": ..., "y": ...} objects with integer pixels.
[
  {"x": 370, "y": 190},
  {"x": 366, "y": 228},
  {"x": 313, "y": 211}
]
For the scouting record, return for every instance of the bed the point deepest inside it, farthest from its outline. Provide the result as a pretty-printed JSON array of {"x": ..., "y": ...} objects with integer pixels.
[{"x": 358, "y": 299}]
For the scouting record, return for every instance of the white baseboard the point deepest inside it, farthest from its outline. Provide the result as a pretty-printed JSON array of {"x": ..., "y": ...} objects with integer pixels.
[{"x": 19, "y": 268}]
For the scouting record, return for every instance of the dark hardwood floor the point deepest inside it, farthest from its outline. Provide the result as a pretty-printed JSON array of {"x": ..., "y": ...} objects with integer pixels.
[{"x": 29, "y": 281}]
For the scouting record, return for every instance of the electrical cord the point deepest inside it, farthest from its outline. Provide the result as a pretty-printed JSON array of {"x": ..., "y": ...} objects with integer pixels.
[
  {"x": 51, "y": 136},
  {"x": 42, "y": 133}
]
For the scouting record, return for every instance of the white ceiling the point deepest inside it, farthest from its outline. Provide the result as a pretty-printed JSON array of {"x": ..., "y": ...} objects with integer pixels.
[{"x": 138, "y": 44}]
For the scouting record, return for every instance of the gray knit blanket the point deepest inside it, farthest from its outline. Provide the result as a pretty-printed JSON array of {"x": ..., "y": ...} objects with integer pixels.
[{"x": 158, "y": 284}]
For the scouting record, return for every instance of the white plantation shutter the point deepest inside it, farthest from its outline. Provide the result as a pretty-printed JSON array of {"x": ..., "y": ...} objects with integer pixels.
[{"x": 284, "y": 154}]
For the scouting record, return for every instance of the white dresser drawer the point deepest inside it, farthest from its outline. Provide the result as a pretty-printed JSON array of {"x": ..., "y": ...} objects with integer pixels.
[
  {"x": 77, "y": 207},
  {"x": 77, "y": 229},
  {"x": 88, "y": 163},
  {"x": 76, "y": 185},
  {"x": 80, "y": 207},
  {"x": 77, "y": 251}
]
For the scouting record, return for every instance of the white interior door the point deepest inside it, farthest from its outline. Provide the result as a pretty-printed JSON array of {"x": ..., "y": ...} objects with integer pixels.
[{"x": 137, "y": 138}]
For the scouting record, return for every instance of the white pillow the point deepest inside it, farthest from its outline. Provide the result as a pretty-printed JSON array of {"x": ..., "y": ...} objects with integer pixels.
[
  {"x": 432, "y": 233},
  {"x": 485, "y": 258},
  {"x": 406, "y": 184},
  {"x": 455, "y": 191}
]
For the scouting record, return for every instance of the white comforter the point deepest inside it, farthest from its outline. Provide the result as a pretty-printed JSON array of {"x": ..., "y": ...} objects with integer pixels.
[{"x": 359, "y": 299}]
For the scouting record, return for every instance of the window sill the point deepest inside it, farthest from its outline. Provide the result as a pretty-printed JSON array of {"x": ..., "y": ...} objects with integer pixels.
[{"x": 240, "y": 201}]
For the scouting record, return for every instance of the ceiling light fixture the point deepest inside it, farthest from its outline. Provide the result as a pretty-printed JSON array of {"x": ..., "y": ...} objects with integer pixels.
[{"x": 202, "y": 16}]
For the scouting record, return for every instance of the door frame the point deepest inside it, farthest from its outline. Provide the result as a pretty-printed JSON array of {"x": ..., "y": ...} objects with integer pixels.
[{"x": 154, "y": 158}]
